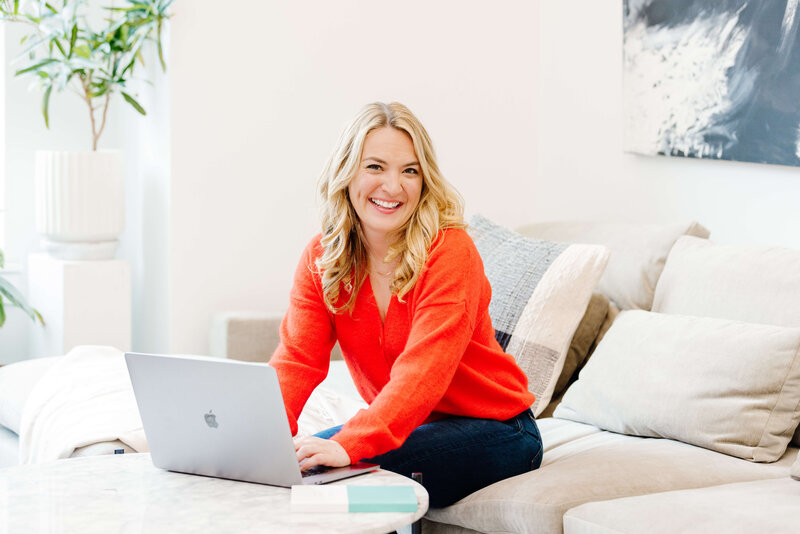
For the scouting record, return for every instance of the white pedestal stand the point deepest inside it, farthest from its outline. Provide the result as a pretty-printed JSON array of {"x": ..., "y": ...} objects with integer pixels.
[{"x": 82, "y": 302}]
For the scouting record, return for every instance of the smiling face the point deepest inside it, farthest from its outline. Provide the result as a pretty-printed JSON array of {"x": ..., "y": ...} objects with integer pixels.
[{"x": 387, "y": 186}]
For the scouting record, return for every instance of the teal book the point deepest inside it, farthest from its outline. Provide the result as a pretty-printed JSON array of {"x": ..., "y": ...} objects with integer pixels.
[{"x": 381, "y": 499}]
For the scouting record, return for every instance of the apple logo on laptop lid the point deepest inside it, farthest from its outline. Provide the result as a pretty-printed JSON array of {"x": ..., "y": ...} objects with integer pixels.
[{"x": 211, "y": 419}]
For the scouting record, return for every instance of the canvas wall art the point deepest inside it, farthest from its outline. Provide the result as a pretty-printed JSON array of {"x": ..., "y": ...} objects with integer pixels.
[{"x": 715, "y": 79}]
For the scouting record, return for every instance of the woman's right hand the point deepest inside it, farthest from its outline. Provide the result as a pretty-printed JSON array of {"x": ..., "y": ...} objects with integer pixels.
[{"x": 312, "y": 451}]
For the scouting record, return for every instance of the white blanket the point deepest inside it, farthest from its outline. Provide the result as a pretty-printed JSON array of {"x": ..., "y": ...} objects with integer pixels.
[{"x": 85, "y": 398}]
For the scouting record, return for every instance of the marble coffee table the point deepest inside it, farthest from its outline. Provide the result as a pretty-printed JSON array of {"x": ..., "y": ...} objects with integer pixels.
[{"x": 127, "y": 494}]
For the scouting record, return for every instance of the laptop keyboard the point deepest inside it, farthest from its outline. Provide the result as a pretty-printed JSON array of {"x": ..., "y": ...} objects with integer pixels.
[{"x": 316, "y": 470}]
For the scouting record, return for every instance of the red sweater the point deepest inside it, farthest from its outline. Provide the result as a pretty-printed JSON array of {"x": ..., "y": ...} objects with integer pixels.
[{"x": 435, "y": 354}]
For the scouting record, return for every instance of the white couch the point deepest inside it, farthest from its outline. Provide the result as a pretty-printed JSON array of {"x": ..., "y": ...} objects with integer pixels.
[{"x": 598, "y": 481}]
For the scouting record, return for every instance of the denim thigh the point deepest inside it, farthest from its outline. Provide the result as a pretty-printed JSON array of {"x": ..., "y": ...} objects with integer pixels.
[{"x": 460, "y": 455}]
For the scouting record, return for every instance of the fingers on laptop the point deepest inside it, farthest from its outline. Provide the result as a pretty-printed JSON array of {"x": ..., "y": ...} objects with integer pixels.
[{"x": 313, "y": 451}]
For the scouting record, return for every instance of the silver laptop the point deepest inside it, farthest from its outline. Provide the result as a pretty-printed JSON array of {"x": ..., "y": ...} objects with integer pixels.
[{"x": 220, "y": 418}]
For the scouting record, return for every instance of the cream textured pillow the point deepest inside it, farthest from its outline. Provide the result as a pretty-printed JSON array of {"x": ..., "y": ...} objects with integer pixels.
[
  {"x": 741, "y": 283},
  {"x": 727, "y": 386},
  {"x": 795, "y": 472},
  {"x": 540, "y": 291},
  {"x": 638, "y": 253}
]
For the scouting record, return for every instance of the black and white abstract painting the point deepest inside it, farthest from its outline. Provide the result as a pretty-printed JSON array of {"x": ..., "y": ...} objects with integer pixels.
[{"x": 715, "y": 79}]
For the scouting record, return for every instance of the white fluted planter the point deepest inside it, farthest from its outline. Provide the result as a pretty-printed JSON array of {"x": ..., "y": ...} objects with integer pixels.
[{"x": 80, "y": 203}]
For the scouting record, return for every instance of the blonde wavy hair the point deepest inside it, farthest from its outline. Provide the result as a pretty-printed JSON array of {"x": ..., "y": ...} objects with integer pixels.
[{"x": 343, "y": 264}]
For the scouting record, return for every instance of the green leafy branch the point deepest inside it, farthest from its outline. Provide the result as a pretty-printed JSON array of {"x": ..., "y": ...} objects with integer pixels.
[
  {"x": 63, "y": 52},
  {"x": 12, "y": 295}
]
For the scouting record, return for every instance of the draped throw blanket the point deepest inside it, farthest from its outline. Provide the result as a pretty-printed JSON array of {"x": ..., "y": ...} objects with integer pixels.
[{"x": 85, "y": 398}]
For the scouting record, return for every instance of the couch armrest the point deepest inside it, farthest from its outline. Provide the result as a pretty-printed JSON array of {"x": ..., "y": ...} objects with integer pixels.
[{"x": 248, "y": 336}]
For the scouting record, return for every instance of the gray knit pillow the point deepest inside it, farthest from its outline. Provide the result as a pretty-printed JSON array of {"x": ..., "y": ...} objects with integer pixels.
[{"x": 540, "y": 291}]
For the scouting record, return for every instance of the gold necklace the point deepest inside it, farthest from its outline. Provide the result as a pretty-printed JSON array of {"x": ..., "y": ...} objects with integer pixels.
[{"x": 375, "y": 271}]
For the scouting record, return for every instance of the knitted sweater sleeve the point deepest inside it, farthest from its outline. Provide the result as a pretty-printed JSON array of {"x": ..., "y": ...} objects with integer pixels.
[
  {"x": 446, "y": 298},
  {"x": 307, "y": 336}
]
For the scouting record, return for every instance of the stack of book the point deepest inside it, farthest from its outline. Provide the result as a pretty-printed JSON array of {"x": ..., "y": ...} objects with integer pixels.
[{"x": 340, "y": 498}]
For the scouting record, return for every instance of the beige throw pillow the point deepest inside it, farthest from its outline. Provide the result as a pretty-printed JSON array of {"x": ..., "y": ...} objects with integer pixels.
[
  {"x": 638, "y": 253},
  {"x": 727, "y": 386},
  {"x": 742, "y": 283},
  {"x": 796, "y": 469}
]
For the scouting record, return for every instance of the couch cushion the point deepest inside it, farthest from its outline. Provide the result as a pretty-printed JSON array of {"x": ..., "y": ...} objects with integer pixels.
[
  {"x": 751, "y": 284},
  {"x": 742, "y": 283},
  {"x": 795, "y": 472},
  {"x": 558, "y": 433},
  {"x": 432, "y": 527},
  {"x": 725, "y": 385},
  {"x": 540, "y": 291},
  {"x": 16, "y": 383},
  {"x": 596, "y": 466},
  {"x": 638, "y": 253},
  {"x": 762, "y": 506}
]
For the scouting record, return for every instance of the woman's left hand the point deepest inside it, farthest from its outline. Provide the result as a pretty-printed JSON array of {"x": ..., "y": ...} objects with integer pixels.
[{"x": 313, "y": 451}]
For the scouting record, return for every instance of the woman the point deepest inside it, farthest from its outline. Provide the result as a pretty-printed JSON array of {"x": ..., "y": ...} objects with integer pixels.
[{"x": 395, "y": 278}]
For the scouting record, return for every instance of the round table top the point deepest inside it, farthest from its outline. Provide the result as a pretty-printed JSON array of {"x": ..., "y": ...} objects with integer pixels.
[{"x": 126, "y": 493}]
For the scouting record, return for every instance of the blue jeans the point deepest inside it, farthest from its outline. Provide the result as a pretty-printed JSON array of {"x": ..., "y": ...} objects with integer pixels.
[{"x": 460, "y": 455}]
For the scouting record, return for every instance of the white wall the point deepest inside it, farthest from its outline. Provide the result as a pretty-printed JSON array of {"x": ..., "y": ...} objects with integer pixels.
[
  {"x": 145, "y": 242},
  {"x": 258, "y": 103},
  {"x": 582, "y": 172}
]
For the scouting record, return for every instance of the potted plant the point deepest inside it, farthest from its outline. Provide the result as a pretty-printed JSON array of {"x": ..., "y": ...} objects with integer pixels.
[
  {"x": 11, "y": 295},
  {"x": 80, "y": 195}
]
